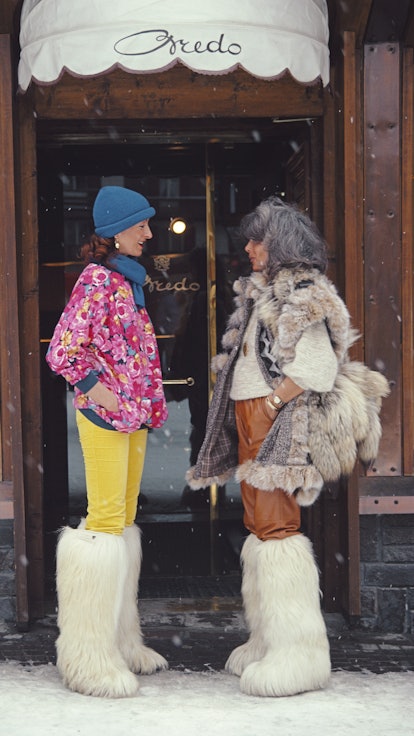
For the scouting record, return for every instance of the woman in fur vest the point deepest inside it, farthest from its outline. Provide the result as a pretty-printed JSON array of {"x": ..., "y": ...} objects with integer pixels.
[{"x": 284, "y": 417}]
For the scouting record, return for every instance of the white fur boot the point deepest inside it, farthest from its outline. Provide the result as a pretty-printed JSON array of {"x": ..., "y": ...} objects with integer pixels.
[
  {"x": 90, "y": 575},
  {"x": 253, "y": 649},
  {"x": 297, "y": 648},
  {"x": 138, "y": 657}
]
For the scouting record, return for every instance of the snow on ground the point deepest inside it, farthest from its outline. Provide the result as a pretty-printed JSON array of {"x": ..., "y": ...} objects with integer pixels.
[{"x": 34, "y": 702}]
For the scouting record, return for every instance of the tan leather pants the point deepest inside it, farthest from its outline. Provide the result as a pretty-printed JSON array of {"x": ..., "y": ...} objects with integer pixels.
[{"x": 267, "y": 514}]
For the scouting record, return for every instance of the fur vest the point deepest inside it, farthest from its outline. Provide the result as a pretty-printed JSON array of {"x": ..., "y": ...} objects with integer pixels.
[{"x": 317, "y": 437}]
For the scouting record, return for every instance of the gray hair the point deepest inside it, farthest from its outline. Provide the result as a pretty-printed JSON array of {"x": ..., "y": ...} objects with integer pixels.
[{"x": 289, "y": 236}]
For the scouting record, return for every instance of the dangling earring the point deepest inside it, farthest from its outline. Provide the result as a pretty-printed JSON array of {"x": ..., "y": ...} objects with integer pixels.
[{"x": 116, "y": 244}]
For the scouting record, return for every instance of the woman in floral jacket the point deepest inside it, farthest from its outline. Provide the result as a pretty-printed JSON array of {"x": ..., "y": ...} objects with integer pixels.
[{"x": 104, "y": 345}]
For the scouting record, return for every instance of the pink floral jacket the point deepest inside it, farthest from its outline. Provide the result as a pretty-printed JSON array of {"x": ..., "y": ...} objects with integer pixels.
[{"x": 101, "y": 330}]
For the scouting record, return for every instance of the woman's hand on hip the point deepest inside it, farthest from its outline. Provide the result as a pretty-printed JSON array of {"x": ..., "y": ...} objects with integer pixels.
[{"x": 103, "y": 396}]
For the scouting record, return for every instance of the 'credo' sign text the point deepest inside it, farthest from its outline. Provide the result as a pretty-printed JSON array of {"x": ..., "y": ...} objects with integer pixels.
[{"x": 148, "y": 42}]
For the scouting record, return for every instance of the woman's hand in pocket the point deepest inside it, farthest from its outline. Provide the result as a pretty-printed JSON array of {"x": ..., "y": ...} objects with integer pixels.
[{"x": 103, "y": 396}]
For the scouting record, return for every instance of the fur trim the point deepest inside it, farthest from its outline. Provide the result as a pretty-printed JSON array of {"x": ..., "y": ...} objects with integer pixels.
[
  {"x": 197, "y": 483},
  {"x": 287, "y": 310},
  {"x": 139, "y": 657},
  {"x": 254, "y": 649},
  {"x": 90, "y": 578},
  {"x": 344, "y": 423},
  {"x": 305, "y": 481},
  {"x": 329, "y": 431},
  {"x": 218, "y": 362},
  {"x": 292, "y": 627},
  {"x": 229, "y": 338}
]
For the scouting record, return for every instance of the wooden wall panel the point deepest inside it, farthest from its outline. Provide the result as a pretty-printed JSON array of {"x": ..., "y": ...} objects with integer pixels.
[{"x": 382, "y": 239}]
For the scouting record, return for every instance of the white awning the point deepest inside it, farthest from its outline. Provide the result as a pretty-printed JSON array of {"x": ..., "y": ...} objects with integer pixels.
[{"x": 90, "y": 37}]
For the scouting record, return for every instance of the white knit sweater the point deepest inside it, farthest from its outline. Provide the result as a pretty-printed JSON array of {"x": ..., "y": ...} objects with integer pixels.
[{"x": 314, "y": 366}]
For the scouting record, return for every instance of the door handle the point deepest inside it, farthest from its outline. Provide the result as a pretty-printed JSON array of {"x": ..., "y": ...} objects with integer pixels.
[{"x": 179, "y": 381}]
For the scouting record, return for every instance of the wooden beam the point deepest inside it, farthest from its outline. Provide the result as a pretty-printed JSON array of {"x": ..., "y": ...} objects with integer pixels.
[
  {"x": 28, "y": 271},
  {"x": 10, "y": 389},
  {"x": 353, "y": 278},
  {"x": 407, "y": 260},
  {"x": 353, "y": 189},
  {"x": 176, "y": 93},
  {"x": 353, "y": 590},
  {"x": 330, "y": 183},
  {"x": 386, "y": 505}
]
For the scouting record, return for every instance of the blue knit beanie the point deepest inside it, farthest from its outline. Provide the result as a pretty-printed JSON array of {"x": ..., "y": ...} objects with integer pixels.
[{"x": 117, "y": 208}]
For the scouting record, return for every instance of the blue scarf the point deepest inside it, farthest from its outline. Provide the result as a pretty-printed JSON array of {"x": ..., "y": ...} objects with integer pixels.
[{"x": 133, "y": 271}]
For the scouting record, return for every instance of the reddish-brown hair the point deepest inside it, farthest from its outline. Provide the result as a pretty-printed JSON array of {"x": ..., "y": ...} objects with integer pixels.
[{"x": 97, "y": 250}]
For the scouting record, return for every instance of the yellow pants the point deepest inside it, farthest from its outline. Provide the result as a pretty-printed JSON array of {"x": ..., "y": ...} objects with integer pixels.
[{"x": 114, "y": 463}]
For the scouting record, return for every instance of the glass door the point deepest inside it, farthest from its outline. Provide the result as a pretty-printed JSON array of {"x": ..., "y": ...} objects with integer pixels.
[{"x": 206, "y": 186}]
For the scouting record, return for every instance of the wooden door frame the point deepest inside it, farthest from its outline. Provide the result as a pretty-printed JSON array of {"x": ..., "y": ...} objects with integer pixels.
[
  {"x": 181, "y": 93},
  {"x": 12, "y": 498},
  {"x": 123, "y": 96}
]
